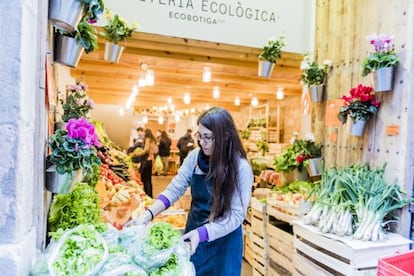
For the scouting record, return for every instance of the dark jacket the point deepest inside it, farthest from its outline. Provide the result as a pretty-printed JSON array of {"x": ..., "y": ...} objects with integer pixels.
[
  {"x": 164, "y": 147},
  {"x": 185, "y": 144}
]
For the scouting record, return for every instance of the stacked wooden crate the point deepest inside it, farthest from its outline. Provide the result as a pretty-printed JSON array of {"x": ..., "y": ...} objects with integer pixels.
[
  {"x": 327, "y": 254},
  {"x": 258, "y": 236}
]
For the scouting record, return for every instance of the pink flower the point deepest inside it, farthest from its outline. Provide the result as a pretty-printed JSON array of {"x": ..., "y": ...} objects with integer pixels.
[{"x": 83, "y": 130}]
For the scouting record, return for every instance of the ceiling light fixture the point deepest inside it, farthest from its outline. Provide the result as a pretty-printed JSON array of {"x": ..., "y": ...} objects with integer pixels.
[
  {"x": 141, "y": 81},
  {"x": 177, "y": 118},
  {"x": 216, "y": 92},
  {"x": 149, "y": 77},
  {"x": 135, "y": 90},
  {"x": 254, "y": 101},
  {"x": 237, "y": 101},
  {"x": 169, "y": 100},
  {"x": 187, "y": 98},
  {"x": 206, "y": 74},
  {"x": 280, "y": 95},
  {"x": 160, "y": 120}
]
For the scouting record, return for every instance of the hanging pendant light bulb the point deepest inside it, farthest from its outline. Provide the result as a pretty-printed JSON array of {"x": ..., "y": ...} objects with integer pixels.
[
  {"x": 177, "y": 118},
  {"x": 161, "y": 120},
  {"x": 254, "y": 101},
  {"x": 135, "y": 90},
  {"x": 237, "y": 101},
  {"x": 169, "y": 100},
  {"x": 145, "y": 119},
  {"x": 280, "y": 95},
  {"x": 141, "y": 81},
  {"x": 187, "y": 98},
  {"x": 206, "y": 74},
  {"x": 149, "y": 77},
  {"x": 216, "y": 92}
]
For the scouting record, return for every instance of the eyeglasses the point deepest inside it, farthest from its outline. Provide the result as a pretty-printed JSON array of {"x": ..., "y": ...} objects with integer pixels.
[{"x": 205, "y": 138}]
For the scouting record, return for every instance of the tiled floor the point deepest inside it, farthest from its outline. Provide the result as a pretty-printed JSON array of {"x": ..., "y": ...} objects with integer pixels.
[{"x": 158, "y": 185}]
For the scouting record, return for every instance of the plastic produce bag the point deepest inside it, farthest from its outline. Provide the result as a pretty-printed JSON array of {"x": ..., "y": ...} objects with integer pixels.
[
  {"x": 120, "y": 263},
  {"x": 178, "y": 263},
  {"x": 128, "y": 237},
  {"x": 158, "y": 166},
  {"x": 122, "y": 270},
  {"x": 80, "y": 251},
  {"x": 155, "y": 246}
]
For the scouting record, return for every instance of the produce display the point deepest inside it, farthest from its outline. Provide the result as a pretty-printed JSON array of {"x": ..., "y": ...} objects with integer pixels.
[
  {"x": 155, "y": 249},
  {"x": 355, "y": 201}
]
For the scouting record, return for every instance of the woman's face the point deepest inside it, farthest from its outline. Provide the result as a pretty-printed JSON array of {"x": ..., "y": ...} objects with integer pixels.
[{"x": 206, "y": 139}]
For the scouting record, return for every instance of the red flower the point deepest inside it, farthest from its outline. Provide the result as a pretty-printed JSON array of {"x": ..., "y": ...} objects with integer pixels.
[{"x": 299, "y": 159}]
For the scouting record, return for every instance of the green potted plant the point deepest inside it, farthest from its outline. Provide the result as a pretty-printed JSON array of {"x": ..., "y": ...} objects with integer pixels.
[
  {"x": 73, "y": 152},
  {"x": 361, "y": 105},
  {"x": 115, "y": 30},
  {"x": 313, "y": 76},
  {"x": 66, "y": 14},
  {"x": 269, "y": 55},
  {"x": 70, "y": 46},
  {"x": 381, "y": 63},
  {"x": 77, "y": 104},
  {"x": 262, "y": 146}
]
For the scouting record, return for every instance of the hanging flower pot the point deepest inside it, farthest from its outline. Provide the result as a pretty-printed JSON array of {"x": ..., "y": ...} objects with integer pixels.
[
  {"x": 314, "y": 166},
  {"x": 66, "y": 14},
  {"x": 316, "y": 93},
  {"x": 113, "y": 52},
  {"x": 301, "y": 175},
  {"x": 265, "y": 68},
  {"x": 357, "y": 127},
  {"x": 62, "y": 183},
  {"x": 67, "y": 50},
  {"x": 383, "y": 79}
]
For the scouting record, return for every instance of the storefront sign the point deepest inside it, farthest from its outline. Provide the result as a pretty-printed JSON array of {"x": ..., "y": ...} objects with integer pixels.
[{"x": 243, "y": 22}]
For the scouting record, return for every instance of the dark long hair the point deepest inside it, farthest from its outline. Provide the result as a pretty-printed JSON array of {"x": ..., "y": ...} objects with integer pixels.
[
  {"x": 224, "y": 160},
  {"x": 148, "y": 134}
]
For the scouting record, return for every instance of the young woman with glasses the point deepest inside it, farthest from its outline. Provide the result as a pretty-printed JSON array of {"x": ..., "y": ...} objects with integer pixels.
[{"x": 220, "y": 178}]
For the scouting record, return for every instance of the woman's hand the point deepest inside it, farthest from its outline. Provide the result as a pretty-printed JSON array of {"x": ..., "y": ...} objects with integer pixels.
[
  {"x": 193, "y": 238},
  {"x": 145, "y": 218}
]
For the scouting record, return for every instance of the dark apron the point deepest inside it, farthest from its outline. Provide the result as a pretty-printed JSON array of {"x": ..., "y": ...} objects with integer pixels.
[{"x": 219, "y": 257}]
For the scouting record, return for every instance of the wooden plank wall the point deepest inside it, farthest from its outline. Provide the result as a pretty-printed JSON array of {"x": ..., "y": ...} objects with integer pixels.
[{"x": 340, "y": 35}]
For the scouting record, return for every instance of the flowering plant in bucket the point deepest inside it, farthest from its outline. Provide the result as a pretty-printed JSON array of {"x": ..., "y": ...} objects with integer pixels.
[
  {"x": 295, "y": 156},
  {"x": 76, "y": 105},
  {"x": 273, "y": 50},
  {"x": 75, "y": 147},
  {"x": 116, "y": 28},
  {"x": 384, "y": 55},
  {"x": 360, "y": 105},
  {"x": 312, "y": 73}
]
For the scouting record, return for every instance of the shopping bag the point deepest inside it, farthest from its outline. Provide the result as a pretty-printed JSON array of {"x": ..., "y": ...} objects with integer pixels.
[{"x": 158, "y": 166}]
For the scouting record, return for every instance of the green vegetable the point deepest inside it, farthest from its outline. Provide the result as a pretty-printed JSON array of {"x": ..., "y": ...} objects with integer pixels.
[
  {"x": 161, "y": 236},
  {"x": 81, "y": 252},
  {"x": 169, "y": 267},
  {"x": 75, "y": 208}
]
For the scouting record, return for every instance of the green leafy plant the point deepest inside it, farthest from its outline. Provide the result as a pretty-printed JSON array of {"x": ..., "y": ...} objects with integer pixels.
[
  {"x": 262, "y": 146},
  {"x": 76, "y": 105},
  {"x": 85, "y": 35},
  {"x": 93, "y": 9},
  {"x": 75, "y": 147},
  {"x": 273, "y": 50},
  {"x": 360, "y": 105},
  {"x": 116, "y": 28},
  {"x": 312, "y": 73},
  {"x": 384, "y": 55},
  {"x": 295, "y": 156}
]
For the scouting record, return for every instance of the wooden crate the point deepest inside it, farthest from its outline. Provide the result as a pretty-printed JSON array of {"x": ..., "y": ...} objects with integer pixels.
[
  {"x": 287, "y": 212},
  {"x": 328, "y": 254},
  {"x": 258, "y": 237},
  {"x": 280, "y": 261}
]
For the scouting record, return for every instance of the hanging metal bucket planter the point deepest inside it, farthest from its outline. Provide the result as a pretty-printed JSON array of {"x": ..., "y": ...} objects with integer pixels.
[
  {"x": 301, "y": 175},
  {"x": 66, "y": 14},
  {"x": 357, "y": 127},
  {"x": 265, "y": 68},
  {"x": 67, "y": 50},
  {"x": 314, "y": 166},
  {"x": 383, "y": 79},
  {"x": 113, "y": 52},
  {"x": 316, "y": 93},
  {"x": 62, "y": 183}
]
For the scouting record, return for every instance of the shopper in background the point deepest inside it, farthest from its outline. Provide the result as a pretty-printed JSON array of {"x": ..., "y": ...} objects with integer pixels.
[
  {"x": 146, "y": 158},
  {"x": 221, "y": 179},
  {"x": 185, "y": 144},
  {"x": 138, "y": 141},
  {"x": 164, "y": 147}
]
